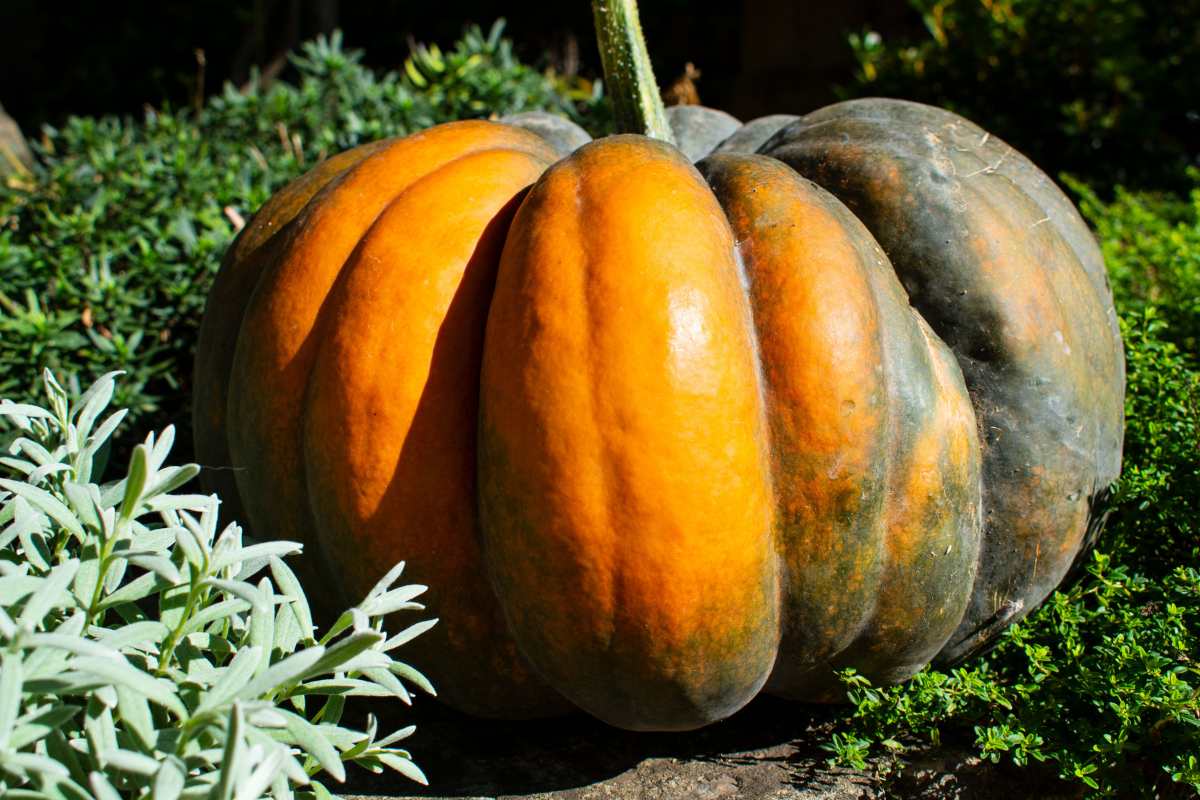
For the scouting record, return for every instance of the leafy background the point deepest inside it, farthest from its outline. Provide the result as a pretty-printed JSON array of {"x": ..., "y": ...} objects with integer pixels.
[{"x": 107, "y": 250}]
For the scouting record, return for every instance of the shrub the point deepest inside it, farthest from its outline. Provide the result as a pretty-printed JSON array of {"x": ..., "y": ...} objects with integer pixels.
[
  {"x": 1102, "y": 682},
  {"x": 108, "y": 253},
  {"x": 1108, "y": 90},
  {"x": 142, "y": 653}
]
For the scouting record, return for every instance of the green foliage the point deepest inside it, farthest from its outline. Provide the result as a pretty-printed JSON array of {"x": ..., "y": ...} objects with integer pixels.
[
  {"x": 1108, "y": 90},
  {"x": 144, "y": 654},
  {"x": 1103, "y": 681},
  {"x": 108, "y": 253},
  {"x": 1151, "y": 244}
]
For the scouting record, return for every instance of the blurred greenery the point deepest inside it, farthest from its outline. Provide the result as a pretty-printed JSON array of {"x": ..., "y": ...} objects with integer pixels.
[{"x": 1107, "y": 90}]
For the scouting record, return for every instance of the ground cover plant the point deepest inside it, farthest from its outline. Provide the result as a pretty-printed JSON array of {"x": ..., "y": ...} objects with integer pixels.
[{"x": 144, "y": 653}]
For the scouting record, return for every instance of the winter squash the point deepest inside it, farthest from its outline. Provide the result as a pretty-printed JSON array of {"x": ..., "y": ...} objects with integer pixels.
[{"x": 661, "y": 436}]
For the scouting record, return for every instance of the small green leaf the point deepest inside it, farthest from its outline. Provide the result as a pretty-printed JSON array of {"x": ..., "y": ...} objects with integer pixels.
[
  {"x": 346, "y": 649},
  {"x": 404, "y": 766},
  {"x": 46, "y": 503},
  {"x": 393, "y": 601},
  {"x": 11, "y": 679},
  {"x": 133, "y": 709},
  {"x": 413, "y": 676},
  {"x": 289, "y": 585},
  {"x": 169, "y": 781},
  {"x": 120, "y": 673},
  {"x": 312, "y": 740},
  {"x": 138, "y": 634},
  {"x": 130, "y": 761},
  {"x": 86, "y": 580},
  {"x": 232, "y": 768},
  {"x": 82, "y": 503},
  {"x": 135, "y": 481},
  {"x": 137, "y": 589},
  {"x": 159, "y": 565},
  {"x": 52, "y": 593},
  {"x": 282, "y": 673},
  {"x": 234, "y": 679},
  {"x": 93, "y": 401}
]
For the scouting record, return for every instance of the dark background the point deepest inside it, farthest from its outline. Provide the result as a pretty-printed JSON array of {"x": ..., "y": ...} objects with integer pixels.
[{"x": 755, "y": 56}]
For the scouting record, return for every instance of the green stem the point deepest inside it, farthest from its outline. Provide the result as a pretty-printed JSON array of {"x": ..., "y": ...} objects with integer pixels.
[{"x": 628, "y": 75}]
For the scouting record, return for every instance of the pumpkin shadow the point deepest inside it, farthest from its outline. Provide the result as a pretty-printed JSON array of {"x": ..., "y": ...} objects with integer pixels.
[{"x": 470, "y": 757}]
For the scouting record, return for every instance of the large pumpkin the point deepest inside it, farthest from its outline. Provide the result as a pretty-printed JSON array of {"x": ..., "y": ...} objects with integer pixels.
[{"x": 658, "y": 437}]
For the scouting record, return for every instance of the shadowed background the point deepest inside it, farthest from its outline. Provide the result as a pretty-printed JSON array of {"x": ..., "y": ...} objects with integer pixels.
[{"x": 754, "y": 56}]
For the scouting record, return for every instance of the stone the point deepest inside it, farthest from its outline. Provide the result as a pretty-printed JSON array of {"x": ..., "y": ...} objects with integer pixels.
[
  {"x": 562, "y": 134},
  {"x": 698, "y": 129},
  {"x": 755, "y": 133}
]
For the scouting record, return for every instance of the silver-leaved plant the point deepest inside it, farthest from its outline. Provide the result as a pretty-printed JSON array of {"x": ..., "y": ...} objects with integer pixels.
[{"x": 145, "y": 654}]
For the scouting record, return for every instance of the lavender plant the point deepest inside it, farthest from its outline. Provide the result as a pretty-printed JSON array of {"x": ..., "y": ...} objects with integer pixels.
[{"x": 144, "y": 653}]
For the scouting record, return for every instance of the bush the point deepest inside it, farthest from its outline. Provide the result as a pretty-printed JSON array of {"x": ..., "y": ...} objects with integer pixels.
[
  {"x": 108, "y": 253},
  {"x": 1103, "y": 681},
  {"x": 142, "y": 653},
  {"x": 1108, "y": 90}
]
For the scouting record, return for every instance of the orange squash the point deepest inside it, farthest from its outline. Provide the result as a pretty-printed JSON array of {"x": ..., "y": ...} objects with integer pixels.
[{"x": 657, "y": 437}]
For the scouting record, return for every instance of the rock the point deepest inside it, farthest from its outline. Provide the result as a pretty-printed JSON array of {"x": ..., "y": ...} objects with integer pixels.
[
  {"x": 755, "y": 133},
  {"x": 562, "y": 134},
  {"x": 698, "y": 129}
]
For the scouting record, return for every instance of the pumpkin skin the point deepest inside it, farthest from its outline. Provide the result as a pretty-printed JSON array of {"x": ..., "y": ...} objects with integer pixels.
[
  {"x": 305, "y": 291},
  {"x": 874, "y": 451},
  {"x": 1000, "y": 263},
  {"x": 655, "y": 444}
]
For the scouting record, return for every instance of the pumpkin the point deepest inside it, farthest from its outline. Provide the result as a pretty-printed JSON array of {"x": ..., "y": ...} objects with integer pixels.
[{"x": 660, "y": 436}]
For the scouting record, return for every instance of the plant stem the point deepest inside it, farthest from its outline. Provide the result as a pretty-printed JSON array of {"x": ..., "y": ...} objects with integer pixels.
[{"x": 628, "y": 74}]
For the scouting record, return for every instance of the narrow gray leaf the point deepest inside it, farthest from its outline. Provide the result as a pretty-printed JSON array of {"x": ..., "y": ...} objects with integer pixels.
[
  {"x": 289, "y": 670},
  {"x": 122, "y": 673},
  {"x": 289, "y": 584},
  {"x": 312, "y": 740},
  {"x": 47, "y": 503},
  {"x": 135, "y": 712},
  {"x": 414, "y": 677},
  {"x": 52, "y": 594},
  {"x": 384, "y": 583},
  {"x": 408, "y": 634},
  {"x": 135, "y": 481},
  {"x": 404, "y": 766},
  {"x": 169, "y": 782},
  {"x": 12, "y": 676}
]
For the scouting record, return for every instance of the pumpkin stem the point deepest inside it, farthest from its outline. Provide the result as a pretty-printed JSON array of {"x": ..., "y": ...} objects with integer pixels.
[{"x": 628, "y": 75}]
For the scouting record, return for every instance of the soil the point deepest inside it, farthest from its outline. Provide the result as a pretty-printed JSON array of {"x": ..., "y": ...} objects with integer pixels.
[{"x": 771, "y": 750}]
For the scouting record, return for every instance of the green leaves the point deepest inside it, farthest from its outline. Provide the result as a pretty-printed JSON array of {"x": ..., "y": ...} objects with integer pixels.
[
  {"x": 1107, "y": 88},
  {"x": 99, "y": 699}
]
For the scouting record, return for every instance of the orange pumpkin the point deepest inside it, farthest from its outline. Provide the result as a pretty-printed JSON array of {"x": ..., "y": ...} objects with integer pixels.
[{"x": 658, "y": 438}]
